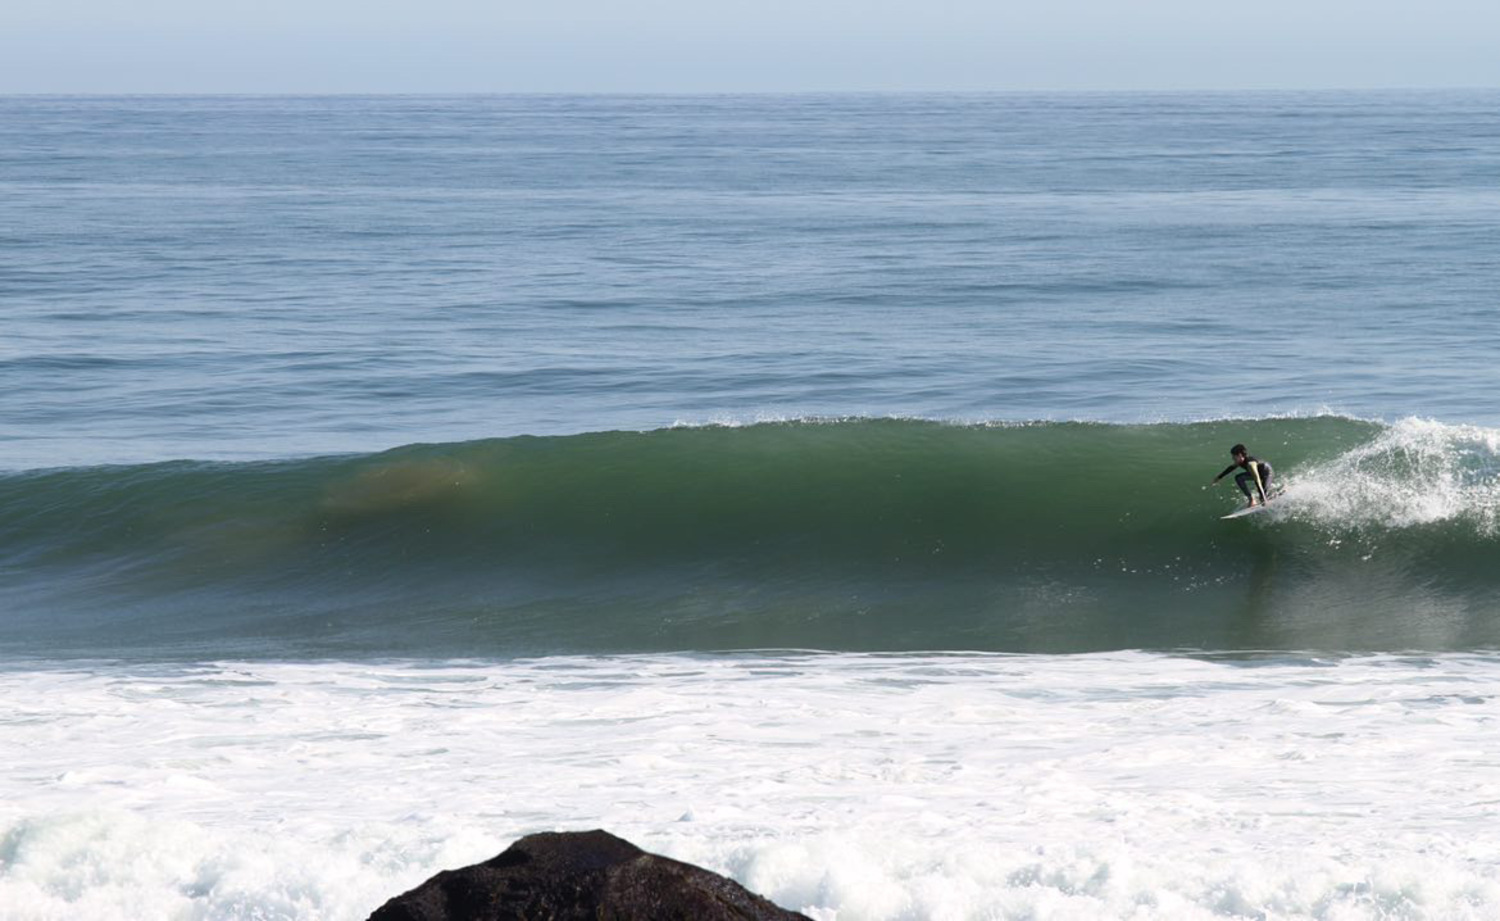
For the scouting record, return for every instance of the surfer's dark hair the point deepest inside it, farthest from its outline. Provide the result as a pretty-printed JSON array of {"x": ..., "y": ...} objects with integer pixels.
[{"x": 1238, "y": 449}]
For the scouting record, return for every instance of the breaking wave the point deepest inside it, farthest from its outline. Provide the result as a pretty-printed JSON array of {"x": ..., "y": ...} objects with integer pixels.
[{"x": 856, "y": 534}]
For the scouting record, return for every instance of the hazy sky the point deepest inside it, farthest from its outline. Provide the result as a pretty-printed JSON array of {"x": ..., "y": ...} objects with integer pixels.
[{"x": 66, "y": 46}]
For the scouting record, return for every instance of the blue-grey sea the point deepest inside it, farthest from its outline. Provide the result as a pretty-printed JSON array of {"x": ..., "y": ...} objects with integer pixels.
[{"x": 815, "y": 487}]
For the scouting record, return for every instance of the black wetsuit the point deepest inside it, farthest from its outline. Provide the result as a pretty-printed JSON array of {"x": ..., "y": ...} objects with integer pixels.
[{"x": 1246, "y": 480}]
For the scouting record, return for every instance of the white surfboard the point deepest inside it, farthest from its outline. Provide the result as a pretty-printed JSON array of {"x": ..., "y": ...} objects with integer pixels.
[{"x": 1241, "y": 513}]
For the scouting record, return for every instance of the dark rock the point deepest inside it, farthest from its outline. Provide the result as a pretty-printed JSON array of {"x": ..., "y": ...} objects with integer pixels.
[{"x": 588, "y": 876}]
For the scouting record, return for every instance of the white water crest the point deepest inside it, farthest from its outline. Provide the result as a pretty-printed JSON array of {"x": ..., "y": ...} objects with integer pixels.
[
  {"x": 1414, "y": 472},
  {"x": 849, "y": 787}
]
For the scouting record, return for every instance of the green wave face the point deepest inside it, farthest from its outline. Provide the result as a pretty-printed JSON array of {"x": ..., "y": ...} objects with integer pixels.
[{"x": 866, "y": 535}]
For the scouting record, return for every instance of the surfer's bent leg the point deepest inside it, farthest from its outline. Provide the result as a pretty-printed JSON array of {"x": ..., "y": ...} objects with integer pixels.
[{"x": 1246, "y": 483}]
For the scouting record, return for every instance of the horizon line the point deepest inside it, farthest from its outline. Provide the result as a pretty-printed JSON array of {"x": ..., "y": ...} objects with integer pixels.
[{"x": 1081, "y": 91}]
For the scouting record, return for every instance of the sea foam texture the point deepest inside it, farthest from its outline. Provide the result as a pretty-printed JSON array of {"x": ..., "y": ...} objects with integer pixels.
[{"x": 853, "y": 788}]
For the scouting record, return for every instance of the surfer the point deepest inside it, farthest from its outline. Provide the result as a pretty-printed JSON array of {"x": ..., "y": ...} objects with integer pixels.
[{"x": 1257, "y": 475}]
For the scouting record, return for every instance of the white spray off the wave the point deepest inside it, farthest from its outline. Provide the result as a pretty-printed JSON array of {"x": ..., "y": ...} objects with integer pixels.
[{"x": 1414, "y": 472}]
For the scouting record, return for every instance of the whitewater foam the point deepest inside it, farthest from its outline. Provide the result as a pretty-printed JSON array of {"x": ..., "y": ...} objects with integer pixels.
[
  {"x": 849, "y": 787},
  {"x": 1414, "y": 472}
]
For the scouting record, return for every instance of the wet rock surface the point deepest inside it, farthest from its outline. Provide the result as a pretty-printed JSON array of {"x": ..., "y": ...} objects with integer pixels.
[{"x": 562, "y": 876}]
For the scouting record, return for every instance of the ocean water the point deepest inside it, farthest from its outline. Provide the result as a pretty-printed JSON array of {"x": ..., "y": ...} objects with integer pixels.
[{"x": 810, "y": 487}]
